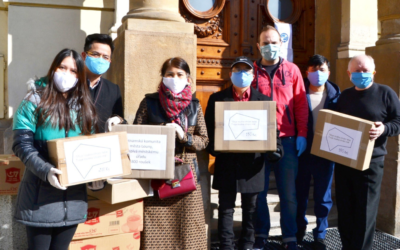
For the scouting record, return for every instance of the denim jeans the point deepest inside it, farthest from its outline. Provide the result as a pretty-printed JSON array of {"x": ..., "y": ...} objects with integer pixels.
[
  {"x": 285, "y": 176},
  {"x": 321, "y": 171}
]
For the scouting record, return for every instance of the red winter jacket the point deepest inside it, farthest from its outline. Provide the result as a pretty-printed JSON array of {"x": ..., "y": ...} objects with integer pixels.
[{"x": 289, "y": 94}]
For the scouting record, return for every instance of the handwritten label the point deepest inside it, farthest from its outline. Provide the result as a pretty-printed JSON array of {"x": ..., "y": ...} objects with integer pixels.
[
  {"x": 93, "y": 158},
  {"x": 341, "y": 141},
  {"x": 245, "y": 125},
  {"x": 147, "y": 151}
]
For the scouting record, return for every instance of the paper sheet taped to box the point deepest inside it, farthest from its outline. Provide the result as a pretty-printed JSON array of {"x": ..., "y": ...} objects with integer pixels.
[
  {"x": 245, "y": 125},
  {"x": 91, "y": 161},
  {"x": 341, "y": 141},
  {"x": 147, "y": 151}
]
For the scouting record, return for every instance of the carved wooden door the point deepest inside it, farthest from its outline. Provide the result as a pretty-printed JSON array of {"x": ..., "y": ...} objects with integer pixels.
[{"x": 227, "y": 29}]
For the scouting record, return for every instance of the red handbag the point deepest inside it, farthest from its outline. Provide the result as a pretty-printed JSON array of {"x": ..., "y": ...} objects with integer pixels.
[{"x": 182, "y": 183}]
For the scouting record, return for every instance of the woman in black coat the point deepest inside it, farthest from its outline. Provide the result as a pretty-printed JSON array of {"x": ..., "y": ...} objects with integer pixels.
[{"x": 238, "y": 172}]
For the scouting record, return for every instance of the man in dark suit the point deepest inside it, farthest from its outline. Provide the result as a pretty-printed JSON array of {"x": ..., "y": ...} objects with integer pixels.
[
  {"x": 238, "y": 172},
  {"x": 105, "y": 94}
]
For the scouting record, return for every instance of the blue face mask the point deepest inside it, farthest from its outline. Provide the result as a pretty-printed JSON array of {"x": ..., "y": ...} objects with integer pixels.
[
  {"x": 97, "y": 66},
  {"x": 317, "y": 78},
  {"x": 241, "y": 79},
  {"x": 361, "y": 80},
  {"x": 270, "y": 52}
]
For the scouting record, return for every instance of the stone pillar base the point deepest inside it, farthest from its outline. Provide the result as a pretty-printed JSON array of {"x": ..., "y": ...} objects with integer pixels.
[{"x": 387, "y": 63}]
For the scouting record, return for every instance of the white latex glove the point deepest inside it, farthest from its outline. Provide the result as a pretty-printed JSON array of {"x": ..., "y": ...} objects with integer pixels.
[
  {"x": 178, "y": 129},
  {"x": 96, "y": 185},
  {"x": 112, "y": 121},
  {"x": 53, "y": 180}
]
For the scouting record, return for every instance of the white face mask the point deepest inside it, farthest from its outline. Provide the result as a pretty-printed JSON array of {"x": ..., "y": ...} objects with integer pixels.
[
  {"x": 175, "y": 84},
  {"x": 64, "y": 81}
]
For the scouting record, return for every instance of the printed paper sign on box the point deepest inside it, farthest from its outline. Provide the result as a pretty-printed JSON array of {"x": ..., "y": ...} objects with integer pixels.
[
  {"x": 84, "y": 159},
  {"x": 147, "y": 151},
  {"x": 341, "y": 141},
  {"x": 245, "y": 125},
  {"x": 152, "y": 151}
]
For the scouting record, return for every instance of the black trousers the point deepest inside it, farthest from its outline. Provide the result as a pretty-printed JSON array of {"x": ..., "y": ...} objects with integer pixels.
[
  {"x": 225, "y": 220},
  {"x": 50, "y": 238},
  {"x": 357, "y": 197}
]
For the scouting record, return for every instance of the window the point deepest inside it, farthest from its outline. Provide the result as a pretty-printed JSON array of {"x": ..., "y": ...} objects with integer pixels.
[
  {"x": 202, "y": 5},
  {"x": 280, "y": 9},
  {"x": 204, "y": 9}
]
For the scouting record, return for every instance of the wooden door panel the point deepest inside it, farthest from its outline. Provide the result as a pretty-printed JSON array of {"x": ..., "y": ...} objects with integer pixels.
[{"x": 234, "y": 32}]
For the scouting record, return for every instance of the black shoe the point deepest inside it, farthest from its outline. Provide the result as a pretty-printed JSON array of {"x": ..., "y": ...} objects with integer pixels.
[
  {"x": 301, "y": 233},
  {"x": 259, "y": 243},
  {"x": 290, "y": 245},
  {"x": 319, "y": 244}
]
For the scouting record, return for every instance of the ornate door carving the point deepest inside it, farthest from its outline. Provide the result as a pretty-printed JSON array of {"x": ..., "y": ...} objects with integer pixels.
[{"x": 227, "y": 29}]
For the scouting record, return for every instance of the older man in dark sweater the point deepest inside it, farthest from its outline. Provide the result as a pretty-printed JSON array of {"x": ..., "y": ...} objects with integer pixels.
[{"x": 358, "y": 192}]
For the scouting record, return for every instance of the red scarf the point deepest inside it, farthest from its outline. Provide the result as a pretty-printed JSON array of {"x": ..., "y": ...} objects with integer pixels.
[{"x": 174, "y": 104}]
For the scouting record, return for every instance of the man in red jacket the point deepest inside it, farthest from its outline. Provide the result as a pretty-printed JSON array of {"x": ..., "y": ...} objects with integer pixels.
[{"x": 282, "y": 81}]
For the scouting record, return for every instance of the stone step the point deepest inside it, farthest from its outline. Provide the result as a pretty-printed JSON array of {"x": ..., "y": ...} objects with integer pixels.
[{"x": 275, "y": 221}]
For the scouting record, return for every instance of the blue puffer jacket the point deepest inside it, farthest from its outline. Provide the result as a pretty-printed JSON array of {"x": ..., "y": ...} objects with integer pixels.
[{"x": 38, "y": 203}]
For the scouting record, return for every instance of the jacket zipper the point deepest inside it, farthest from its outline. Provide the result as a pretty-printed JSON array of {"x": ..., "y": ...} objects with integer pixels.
[
  {"x": 65, "y": 194},
  {"x": 288, "y": 114}
]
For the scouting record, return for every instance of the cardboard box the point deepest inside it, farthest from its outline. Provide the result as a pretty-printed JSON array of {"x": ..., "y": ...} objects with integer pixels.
[
  {"x": 84, "y": 159},
  {"x": 11, "y": 171},
  {"x": 120, "y": 190},
  {"x": 105, "y": 219},
  {"x": 245, "y": 126},
  {"x": 343, "y": 139},
  {"x": 128, "y": 241},
  {"x": 151, "y": 151}
]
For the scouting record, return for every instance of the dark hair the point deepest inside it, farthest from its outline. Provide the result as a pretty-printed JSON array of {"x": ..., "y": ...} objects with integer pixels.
[
  {"x": 98, "y": 38},
  {"x": 175, "y": 62},
  {"x": 54, "y": 108},
  {"x": 318, "y": 60},
  {"x": 267, "y": 28}
]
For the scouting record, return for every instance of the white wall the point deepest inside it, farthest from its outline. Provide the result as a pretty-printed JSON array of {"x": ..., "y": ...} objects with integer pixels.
[{"x": 37, "y": 34}]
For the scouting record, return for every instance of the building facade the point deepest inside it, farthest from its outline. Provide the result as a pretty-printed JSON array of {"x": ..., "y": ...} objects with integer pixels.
[{"x": 209, "y": 35}]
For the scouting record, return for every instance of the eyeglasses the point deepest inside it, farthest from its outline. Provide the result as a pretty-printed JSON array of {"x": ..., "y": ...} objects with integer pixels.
[{"x": 98, "y": 55}]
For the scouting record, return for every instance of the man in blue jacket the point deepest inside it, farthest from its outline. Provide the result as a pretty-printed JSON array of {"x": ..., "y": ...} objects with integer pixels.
[{"x": 321, "y": 94}]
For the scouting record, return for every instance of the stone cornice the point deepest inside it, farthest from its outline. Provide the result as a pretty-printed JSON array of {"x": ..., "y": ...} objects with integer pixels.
[{"x": 65, "y": 4}]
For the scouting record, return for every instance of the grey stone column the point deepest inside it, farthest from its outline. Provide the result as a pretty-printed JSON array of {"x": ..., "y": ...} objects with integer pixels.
[{"x": 387, "y": 61}]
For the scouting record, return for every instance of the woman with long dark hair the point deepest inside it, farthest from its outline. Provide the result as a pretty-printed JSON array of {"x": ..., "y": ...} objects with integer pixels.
[
  {"x": 57, "y": 106},
  {"x": 176, "y": 223}
]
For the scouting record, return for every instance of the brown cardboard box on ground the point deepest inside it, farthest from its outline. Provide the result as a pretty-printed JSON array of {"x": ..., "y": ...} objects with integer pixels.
[
  {"x": 11, "y": 172},
  {"x": 245, "y": 126},
  {"x": 343, "y": 139},
  {"x": 84, "y": 159},
  {"x": 151, "y": 151},
  {"x": 119, "y": 190},
  {"x": 105, "y": 219},
  {"x": 128, "y": 241}
]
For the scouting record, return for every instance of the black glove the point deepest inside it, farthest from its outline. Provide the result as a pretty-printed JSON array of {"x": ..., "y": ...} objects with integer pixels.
[{"x": 274, "y": 156}]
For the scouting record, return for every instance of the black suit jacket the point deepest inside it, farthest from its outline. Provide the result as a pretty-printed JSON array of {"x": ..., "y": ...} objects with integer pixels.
[
  {"x": 236, "y": 172},
  {"x": 107, "y": 100}
]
